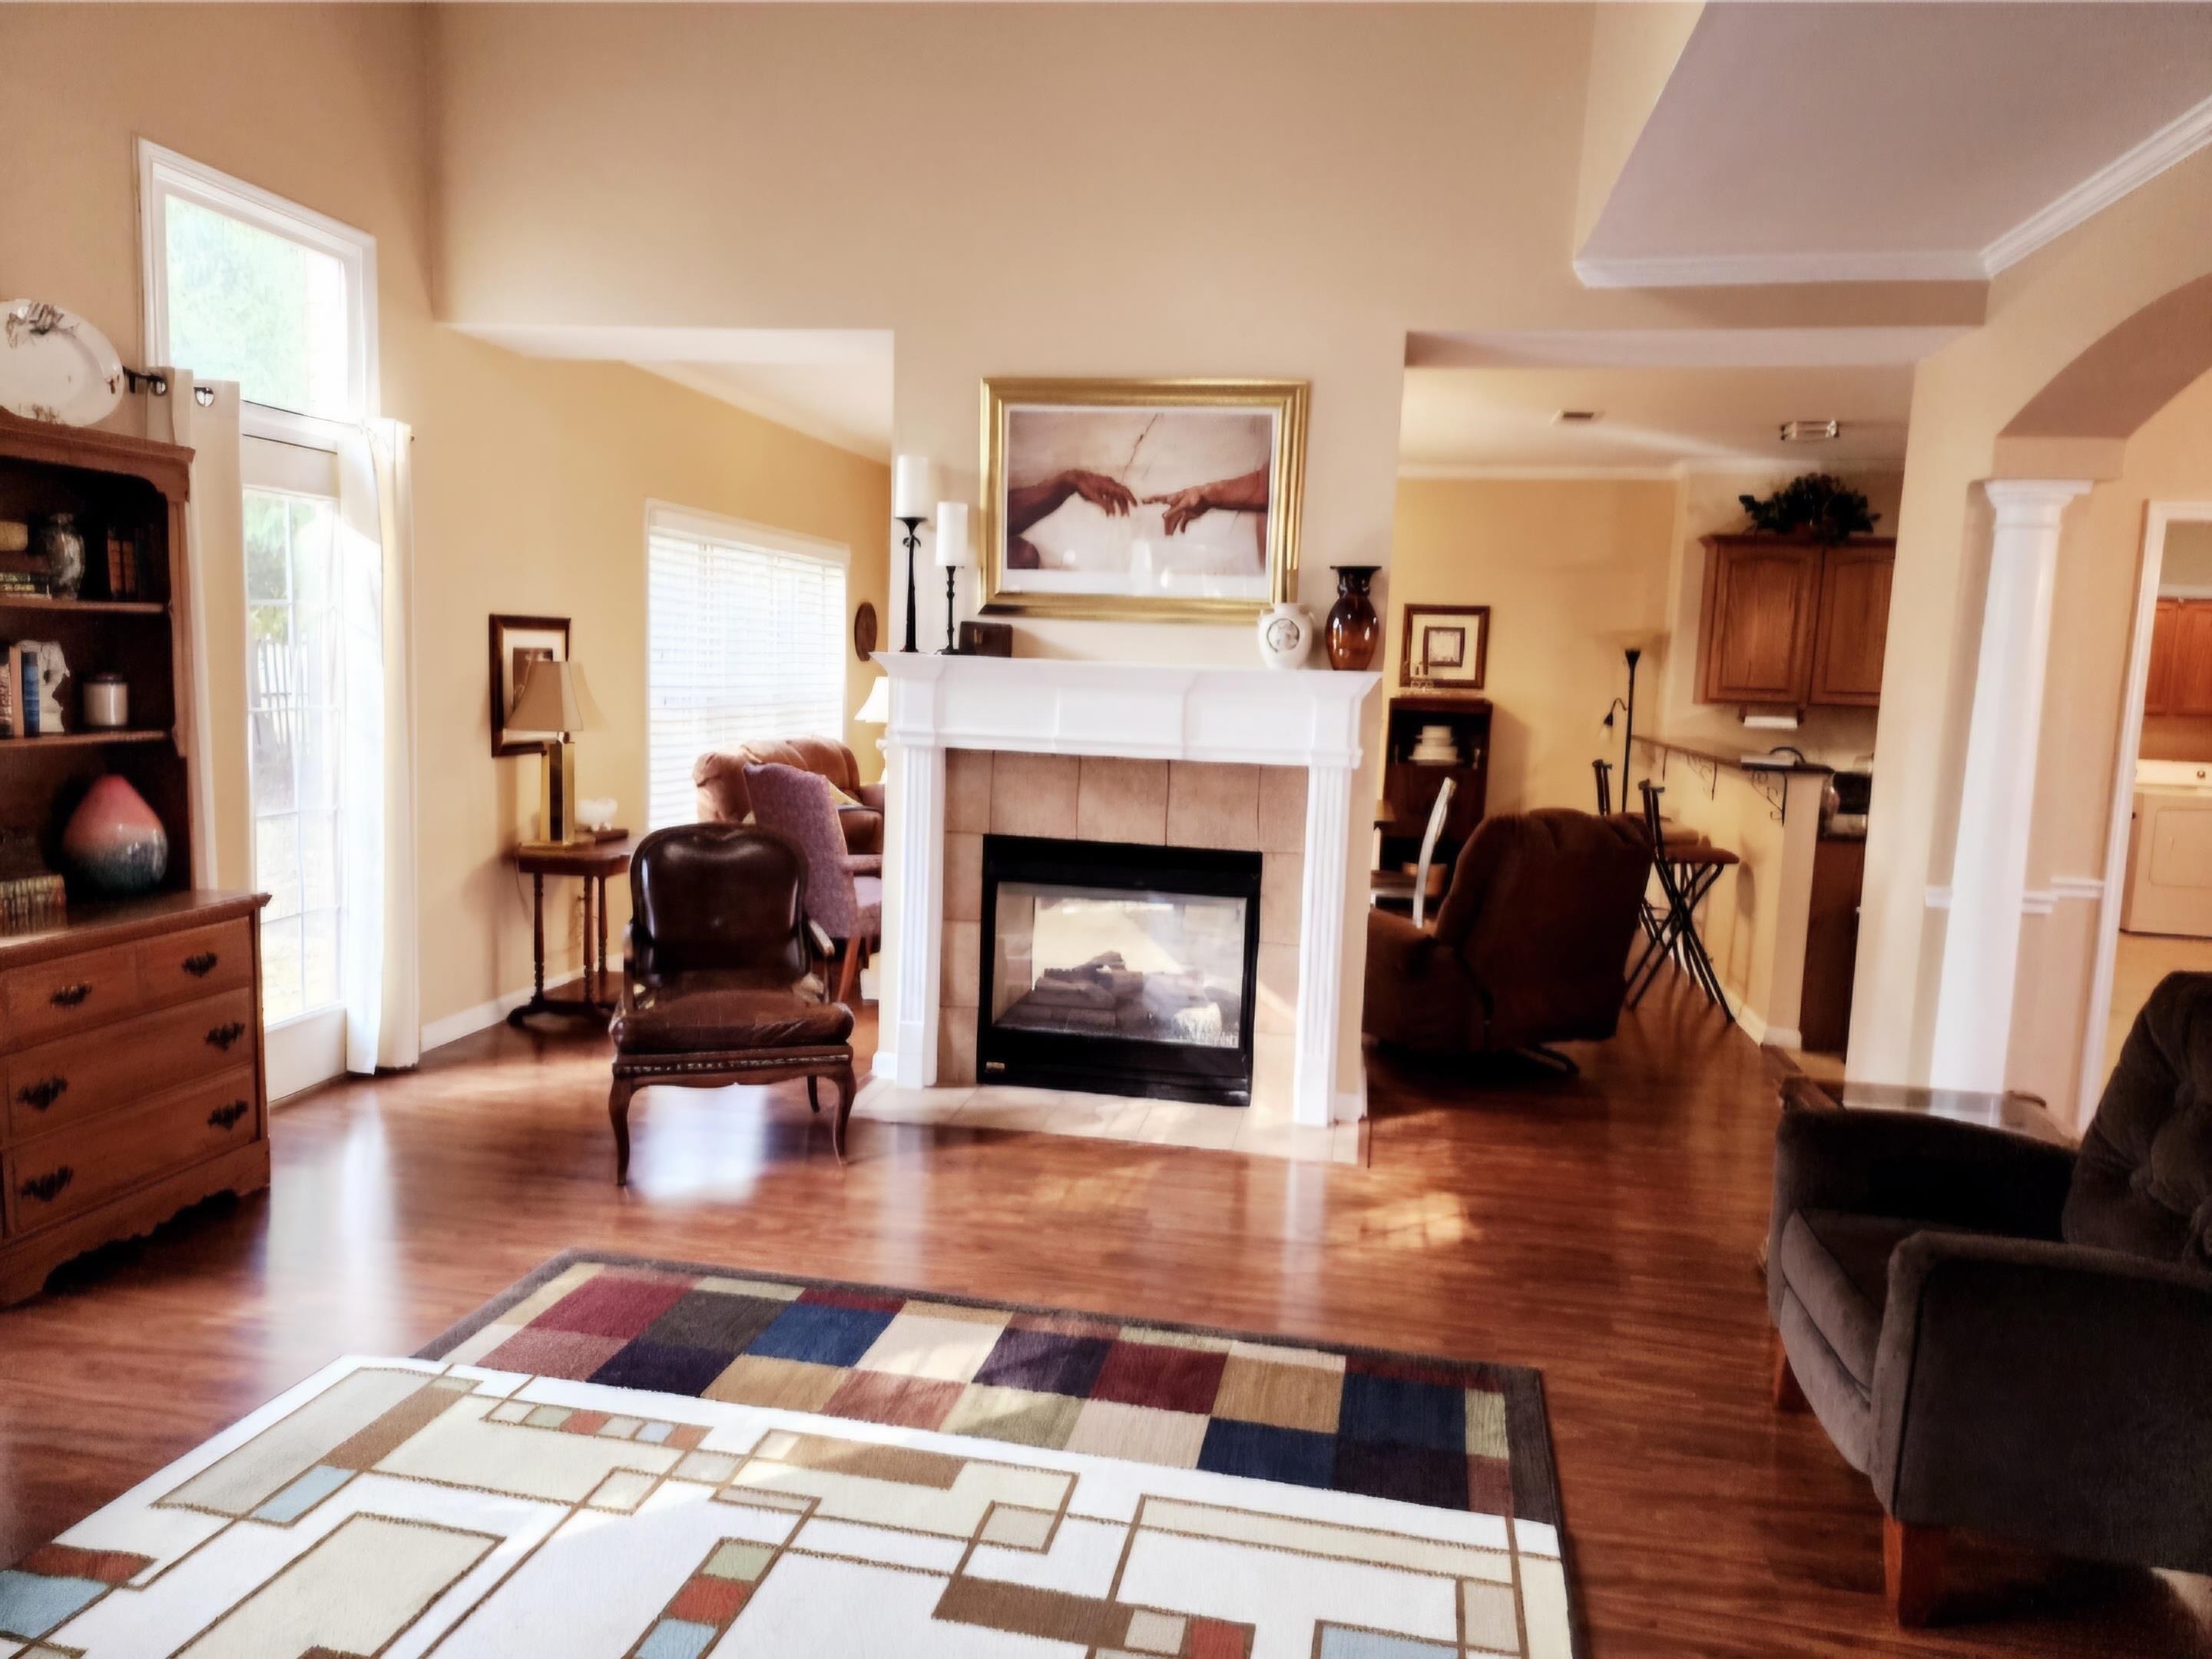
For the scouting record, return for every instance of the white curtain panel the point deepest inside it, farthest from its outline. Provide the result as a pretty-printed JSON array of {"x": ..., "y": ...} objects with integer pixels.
[
  {"x": 213, "y": 516},
  {"x": 376, "y": 853}
]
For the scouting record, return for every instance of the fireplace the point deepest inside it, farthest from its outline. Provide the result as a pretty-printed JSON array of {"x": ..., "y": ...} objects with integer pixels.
[{"x": 1118, "y": 969}]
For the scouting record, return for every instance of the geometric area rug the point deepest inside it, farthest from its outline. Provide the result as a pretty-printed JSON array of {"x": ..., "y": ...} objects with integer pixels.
[{"x": 623, "y": 1459}]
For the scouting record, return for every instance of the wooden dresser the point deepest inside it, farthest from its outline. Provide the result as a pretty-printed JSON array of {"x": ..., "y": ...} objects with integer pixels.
[
  {"x": 131, "y": 1041},
  {"x": 131, "y": 1066}
]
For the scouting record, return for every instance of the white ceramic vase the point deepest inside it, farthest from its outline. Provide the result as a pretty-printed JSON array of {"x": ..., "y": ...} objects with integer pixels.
[{"x": 1286, "y": 635}]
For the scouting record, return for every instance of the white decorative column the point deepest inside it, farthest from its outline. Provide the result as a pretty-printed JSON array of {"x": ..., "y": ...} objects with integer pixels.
[
  {"x": 1321, "y": 935},
  {"x": 1989, "y": 869},
  {"x": 917, "y": 784}
]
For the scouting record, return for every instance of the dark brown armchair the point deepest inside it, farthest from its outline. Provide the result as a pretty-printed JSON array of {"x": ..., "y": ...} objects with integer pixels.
[
  {"x": 719, "y": 979},
  {"x": 1531, "y": 946},
  {"x": 2010, "y": 1337}
]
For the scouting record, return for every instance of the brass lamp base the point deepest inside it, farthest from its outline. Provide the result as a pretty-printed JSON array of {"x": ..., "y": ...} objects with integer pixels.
[{"x": 556, "y": 797}]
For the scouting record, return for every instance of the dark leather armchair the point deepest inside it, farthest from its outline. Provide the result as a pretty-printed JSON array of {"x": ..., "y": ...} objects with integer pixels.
[
  {"x": 1530, "y": 945},
  {"x": 719, "y": 980},
  {"x": 2009, "y": 1336}
]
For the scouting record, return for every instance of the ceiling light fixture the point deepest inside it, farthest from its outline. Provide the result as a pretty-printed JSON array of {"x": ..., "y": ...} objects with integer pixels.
[
  {"x": 1810, "y": 432},
  {"x": 1575, "y": 416}
]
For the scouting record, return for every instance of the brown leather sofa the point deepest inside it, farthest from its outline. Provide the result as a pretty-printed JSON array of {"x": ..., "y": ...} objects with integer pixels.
[
  {"x": 719, "y": 775},
  {"x": 1530, "y": 945},
  {"x": 2007, "y": 1336}
]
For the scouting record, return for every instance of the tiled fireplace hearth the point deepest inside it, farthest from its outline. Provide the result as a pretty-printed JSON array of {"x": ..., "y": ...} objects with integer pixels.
[{"x": 1017, "y": 753}]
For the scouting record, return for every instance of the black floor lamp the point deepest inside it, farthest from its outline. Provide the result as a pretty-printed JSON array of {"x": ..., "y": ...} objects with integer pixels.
[{"x": 1632, "y": 646}]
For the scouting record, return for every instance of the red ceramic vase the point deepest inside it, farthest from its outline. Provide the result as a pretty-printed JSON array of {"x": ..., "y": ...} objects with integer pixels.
[{"x": 114, "y": 841}]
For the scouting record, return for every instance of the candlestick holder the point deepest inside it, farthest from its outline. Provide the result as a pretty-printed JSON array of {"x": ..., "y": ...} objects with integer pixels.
[
  {"x": 951, "y": 649},
  {"x": 913, "y": 541}
]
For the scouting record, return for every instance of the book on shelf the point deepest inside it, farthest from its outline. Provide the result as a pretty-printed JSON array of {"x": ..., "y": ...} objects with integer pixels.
[
  {"x": 32, "y": 901},
  {"x": 12, "y": 719},
  {"x": 23, "y": 670}
]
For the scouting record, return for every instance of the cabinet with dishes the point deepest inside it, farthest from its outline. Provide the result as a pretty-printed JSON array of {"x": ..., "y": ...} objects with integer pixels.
[{"x": 129, "y": 1001}]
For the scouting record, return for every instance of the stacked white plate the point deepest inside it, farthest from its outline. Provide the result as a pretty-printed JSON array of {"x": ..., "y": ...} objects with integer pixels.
[
  {"x": 1435, "y": 747},
  {"x": 55, "y": 366}
]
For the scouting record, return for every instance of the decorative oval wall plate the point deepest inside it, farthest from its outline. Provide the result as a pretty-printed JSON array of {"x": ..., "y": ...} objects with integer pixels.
[
  {"x": 55, "y": 366},
  {"x": 864, "y": 630}
]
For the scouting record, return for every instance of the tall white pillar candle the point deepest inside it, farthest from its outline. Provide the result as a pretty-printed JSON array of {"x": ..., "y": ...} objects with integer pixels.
[
  {"x": 953, "y": 550},
  {"x": 914, "y": 487}
]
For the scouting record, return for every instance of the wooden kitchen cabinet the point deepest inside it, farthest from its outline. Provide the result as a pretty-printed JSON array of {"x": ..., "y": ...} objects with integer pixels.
[
  {"x": 1789, "y": 622},
  {"x": 2165, "y": 626},
  {"x": 2180, "y": 658},
  {"x": 1852, "y": 630}
]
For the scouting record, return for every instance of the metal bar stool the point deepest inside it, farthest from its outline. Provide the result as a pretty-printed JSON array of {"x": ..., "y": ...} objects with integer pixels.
[{"x": 1687, "y": 870}]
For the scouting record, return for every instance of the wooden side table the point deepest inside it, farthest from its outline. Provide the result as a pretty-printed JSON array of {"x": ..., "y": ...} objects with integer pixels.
[
  {"x": 591, "y": 863},
  {"x": 2014, "y": 1114}
]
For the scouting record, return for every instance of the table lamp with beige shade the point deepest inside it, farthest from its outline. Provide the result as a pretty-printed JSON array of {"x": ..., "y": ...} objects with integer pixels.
[{"x": 556, "y": 699}]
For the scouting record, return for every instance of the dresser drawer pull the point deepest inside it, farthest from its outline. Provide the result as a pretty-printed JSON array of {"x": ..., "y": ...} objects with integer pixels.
[
  {"x": 226, "y": 1034},
  {"x": 43, "y": 1093},
  {"x": 71, "y": 995},
  {"x": 47, "y": 1187},
  {"x": 223, "y": 1116},
  {"x": 201, "y": 964}
]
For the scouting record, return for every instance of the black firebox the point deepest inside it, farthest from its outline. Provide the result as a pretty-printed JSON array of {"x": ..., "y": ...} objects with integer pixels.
[{"x": 1118, "y": 968}]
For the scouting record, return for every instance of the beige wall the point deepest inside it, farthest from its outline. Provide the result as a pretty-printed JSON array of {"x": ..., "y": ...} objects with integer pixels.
[
  {"x": 1277, "y": 191},
  {"x": 2099, "y": 565},
  {"x": 532, "y": 478},
  {"x": 1563, "y": 564},
  {"x": 2042, "y": 313}
]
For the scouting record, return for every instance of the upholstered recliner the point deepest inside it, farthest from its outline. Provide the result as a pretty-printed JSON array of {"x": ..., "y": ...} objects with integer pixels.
[
  {"x": 1530, "y": 945},
  {"x": 718, "y": 776},
  {"x": 721, "y": 981},
  {"x": 2006, "y": 1335}
]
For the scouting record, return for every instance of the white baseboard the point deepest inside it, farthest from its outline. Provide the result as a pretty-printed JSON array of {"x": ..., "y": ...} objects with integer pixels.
[{"x": 453, "y": 1027}]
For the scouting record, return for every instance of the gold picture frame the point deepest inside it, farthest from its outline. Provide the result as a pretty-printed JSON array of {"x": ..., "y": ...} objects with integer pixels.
[{"x": 1159, "y": 525}]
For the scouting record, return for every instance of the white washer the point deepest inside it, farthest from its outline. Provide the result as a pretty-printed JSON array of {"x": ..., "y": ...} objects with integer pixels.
[{"x": 2169, "y": 887}]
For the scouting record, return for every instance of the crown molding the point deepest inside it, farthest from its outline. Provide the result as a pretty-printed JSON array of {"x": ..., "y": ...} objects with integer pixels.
[
  {"x": 1534, "y": 474},
  {"x": 1722, "y": 466},
  {"x": 1763, "y": 269},
  {"x": 2176, "y": 141}
]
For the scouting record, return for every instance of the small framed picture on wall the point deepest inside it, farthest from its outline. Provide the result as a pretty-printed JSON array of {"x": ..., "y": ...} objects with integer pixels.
[
  {"x": 517, "y": 642},
  {"x": 1446, "y": 647}
]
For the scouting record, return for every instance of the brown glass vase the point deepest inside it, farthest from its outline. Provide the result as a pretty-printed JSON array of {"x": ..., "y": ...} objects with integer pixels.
[{"x": 1354, "y": 630}]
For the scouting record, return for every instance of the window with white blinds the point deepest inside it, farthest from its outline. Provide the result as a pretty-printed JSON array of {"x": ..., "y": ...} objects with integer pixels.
[{"x": 745, "y": 641}]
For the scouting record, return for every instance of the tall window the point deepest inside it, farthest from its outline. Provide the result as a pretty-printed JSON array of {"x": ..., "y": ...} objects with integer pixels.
[
  {"x": 294, "y": 687},
  {"x": 745, "y": 641},
  {"x": 244, "y": 286}
]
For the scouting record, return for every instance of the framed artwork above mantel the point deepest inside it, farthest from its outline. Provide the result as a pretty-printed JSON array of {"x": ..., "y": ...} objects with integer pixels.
[
  {"x": 1150, "y": 500},
  {"x": 1446, "y": 648}
]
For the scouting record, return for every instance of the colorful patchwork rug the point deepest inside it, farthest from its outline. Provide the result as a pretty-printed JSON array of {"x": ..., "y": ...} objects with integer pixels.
[{"x": 620, "y": 1459}]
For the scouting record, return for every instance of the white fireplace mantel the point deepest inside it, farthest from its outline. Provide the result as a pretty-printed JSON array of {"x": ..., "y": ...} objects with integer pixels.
[{"x": 1145, "y": 711}]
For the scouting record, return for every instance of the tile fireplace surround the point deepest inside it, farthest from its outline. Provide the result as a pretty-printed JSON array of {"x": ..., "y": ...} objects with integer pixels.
[{"x": 1158, "y": 754}]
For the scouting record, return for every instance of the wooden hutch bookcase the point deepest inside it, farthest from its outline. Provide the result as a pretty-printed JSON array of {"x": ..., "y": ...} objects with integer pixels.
[{"x": 130, "y": 1069}]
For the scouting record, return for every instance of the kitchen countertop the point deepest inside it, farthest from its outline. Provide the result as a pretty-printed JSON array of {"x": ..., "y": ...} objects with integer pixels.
[{"x": 1739, "y": 762}]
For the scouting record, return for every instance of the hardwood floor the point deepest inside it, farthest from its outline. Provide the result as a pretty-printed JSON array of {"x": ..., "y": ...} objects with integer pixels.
[{"x": 1601, "y": 1228}]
